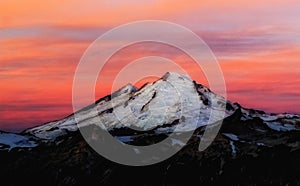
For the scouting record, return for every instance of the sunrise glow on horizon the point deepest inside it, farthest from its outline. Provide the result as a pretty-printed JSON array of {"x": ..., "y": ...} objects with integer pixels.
[{"x": 256, "y": 43}]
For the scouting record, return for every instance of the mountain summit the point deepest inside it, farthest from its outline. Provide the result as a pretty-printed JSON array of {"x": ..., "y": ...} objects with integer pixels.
[
  {"x": 174, "y": 97},
  {"x": 156, "y": 104},
  {"x": 145, "y": 116}
]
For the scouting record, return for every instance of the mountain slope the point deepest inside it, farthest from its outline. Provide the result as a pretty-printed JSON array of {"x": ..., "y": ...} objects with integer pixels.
[
  {"x": 252, "y": 147},
  {"x": 171, "y": 95}
]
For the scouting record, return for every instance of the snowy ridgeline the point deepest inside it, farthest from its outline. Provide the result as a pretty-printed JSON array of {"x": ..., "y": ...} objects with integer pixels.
[
  {"x": 9, "y": 141},
  {"x": 173, "y": 98}
]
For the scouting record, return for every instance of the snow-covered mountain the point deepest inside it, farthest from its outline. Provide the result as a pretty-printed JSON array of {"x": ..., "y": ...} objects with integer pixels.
[
  {"x": 251, "y": 148},
  {"x": 9, "y": 141},
  {"x": 174, "y": 98}
]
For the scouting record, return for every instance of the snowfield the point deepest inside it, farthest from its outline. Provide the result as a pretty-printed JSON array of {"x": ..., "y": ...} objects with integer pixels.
[{"x": 174, "y": 100}]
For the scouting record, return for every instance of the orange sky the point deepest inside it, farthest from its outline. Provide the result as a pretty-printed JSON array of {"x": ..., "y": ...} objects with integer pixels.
[{"x": 41, "y": 42}]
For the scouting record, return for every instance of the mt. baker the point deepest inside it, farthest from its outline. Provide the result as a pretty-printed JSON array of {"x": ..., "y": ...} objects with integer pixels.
[{"x": 252, "y": 147}]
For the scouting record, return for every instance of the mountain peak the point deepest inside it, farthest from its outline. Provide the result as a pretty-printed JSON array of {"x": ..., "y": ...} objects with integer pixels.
[
  {"x": 125, "y": 90},
  {"x": 174, "y": 98},
  {"x": 156, "y": 104},
  {"x": 171, "y": 76}
]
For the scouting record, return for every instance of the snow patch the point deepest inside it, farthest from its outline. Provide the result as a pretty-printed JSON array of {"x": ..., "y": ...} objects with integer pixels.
[
  {"x": 15, "y": 140},
  {"x": 124, "y": 139},
  {"x": 137, "y": 151},
  {"x": 231, "y": 136},
  {"x": 279, "y": 127},
  {"x": 177, "y": 142},
  {"x": 233, "y": 148},
  {"x": 269, "y": 117},
  {"x": 261, "y": 144}
]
